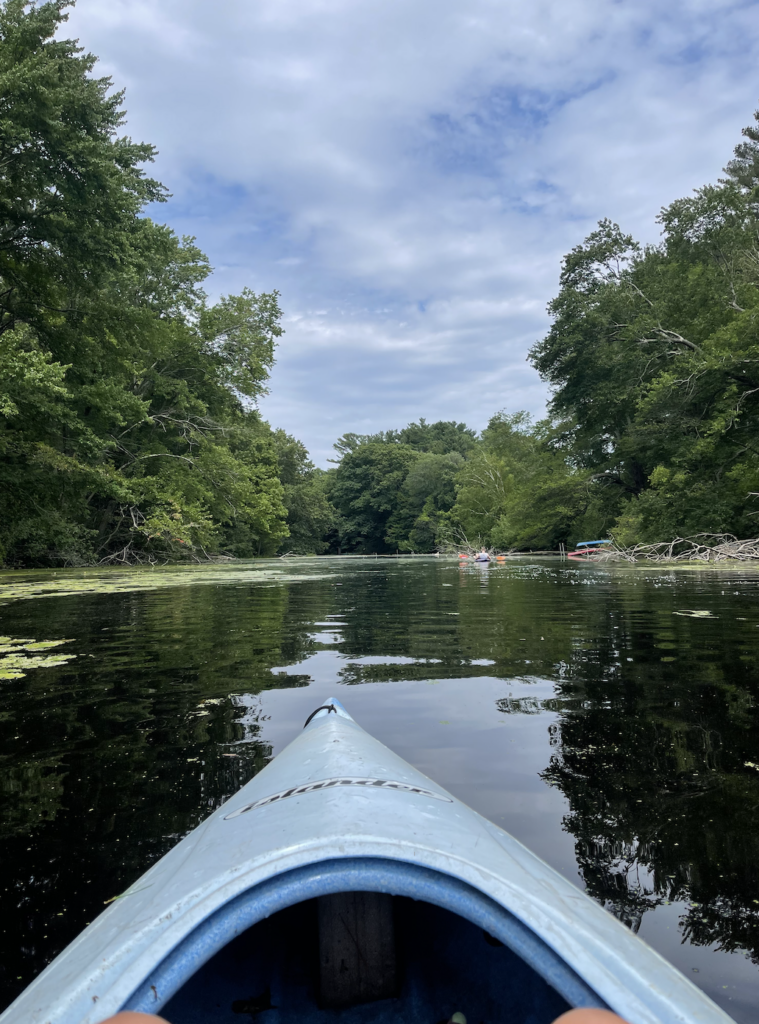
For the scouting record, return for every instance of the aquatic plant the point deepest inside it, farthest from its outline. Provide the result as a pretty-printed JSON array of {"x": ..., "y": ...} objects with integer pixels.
[
  {"x": 128, "y": 580},
  {"x": 19, "y": 656}
]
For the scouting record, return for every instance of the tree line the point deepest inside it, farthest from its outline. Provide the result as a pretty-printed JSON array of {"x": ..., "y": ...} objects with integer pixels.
[
  {"x": 128, "y": 421},
  {"x": 652, "y": 429},
  {"x": 129, "y": 429}
]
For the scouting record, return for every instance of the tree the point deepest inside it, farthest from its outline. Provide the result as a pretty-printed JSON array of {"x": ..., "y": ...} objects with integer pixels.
[
  {"x": 519, "y": 492},
  {"x": 128, "y": 427},
  {"x": 743, "y": 169},
  {"x": 653, "y": 357},
  {"x": 394, "y": 490},
  {"x": 367, "y": 490},
  {"x": 310, "y": 515},
  {"x": 438, "y": 438},
  {"x": 70, "y": 189},
  {"x": 430, "y": 491}
]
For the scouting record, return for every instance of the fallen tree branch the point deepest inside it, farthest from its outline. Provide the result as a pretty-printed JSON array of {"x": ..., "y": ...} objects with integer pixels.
[{"x": 702, "y": 547}]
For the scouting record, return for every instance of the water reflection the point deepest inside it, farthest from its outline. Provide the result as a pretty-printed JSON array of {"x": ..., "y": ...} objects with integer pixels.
[
  {"x": 662, "y": 798},
  {"x": 634, "y": 720}
]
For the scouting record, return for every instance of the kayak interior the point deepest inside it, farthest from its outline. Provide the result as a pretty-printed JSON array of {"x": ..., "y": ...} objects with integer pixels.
[
  {"x": 540, "y": 970},
  {"x": 364, "y": 958}
]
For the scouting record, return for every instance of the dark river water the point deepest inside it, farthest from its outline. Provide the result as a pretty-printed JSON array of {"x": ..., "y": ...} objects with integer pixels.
[{"x": 606, "y": 717}]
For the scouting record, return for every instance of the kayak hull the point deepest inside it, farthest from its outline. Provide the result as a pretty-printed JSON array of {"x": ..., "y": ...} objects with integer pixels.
[{"x": 336, "y": 811}]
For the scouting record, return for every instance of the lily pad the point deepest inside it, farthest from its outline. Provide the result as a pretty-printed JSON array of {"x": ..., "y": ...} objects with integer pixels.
[
  {"x": 44, "y": 645},
  {"x": 16, "y": 658}
]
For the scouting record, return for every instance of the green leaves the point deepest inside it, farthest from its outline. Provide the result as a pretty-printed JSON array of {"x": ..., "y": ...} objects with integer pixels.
[
  {"x": 367, "y": 491},
  {"x": 241, "y": 331},
  {"x": 128, "y": 430},
  {"x": 69, "y": 188},
  {"x": 394, "y": 490},
  {"x": 653, "y": 355}
]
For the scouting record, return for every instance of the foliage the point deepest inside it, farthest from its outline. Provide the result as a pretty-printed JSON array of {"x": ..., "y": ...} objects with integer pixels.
[
  {"x": 430, "y": 492},
  {"x": 128, "y": 427},
  {"x": 394, "y": 490},
  {"x": 436, "y": 438},
  {"x": 310, "y": 515},
  {"x": 367, "y": 491},
  {"x": 519, "y": 492},
  {"x": 653, "y": 357}
]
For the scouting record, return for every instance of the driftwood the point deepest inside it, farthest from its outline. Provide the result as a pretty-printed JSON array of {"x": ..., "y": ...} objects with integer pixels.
[{"x": 702, "y": 547}]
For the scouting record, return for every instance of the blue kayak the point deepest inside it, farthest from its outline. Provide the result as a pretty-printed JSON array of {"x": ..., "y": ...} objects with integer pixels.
[{"x": 342, "y": 885}]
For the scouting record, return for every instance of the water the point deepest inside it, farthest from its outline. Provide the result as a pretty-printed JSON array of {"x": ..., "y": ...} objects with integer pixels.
[{"x": 587, "y": 710}]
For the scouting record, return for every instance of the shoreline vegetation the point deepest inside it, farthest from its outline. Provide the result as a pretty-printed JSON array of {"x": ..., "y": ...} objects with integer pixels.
[
  {"x": 129, "y": 427},
  {"x": 705, "y": 549}
]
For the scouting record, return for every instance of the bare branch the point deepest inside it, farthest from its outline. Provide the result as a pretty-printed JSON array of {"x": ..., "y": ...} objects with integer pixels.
[{"x": 637, "y": 291}]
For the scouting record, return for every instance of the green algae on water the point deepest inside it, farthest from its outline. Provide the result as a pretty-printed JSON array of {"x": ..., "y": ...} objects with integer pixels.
[
  {"x": 119, "y": 581},
  {"x": 16, "y": 659}
]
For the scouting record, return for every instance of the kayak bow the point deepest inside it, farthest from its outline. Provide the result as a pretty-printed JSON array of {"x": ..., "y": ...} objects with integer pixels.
[{"x": 444, "y": 912}]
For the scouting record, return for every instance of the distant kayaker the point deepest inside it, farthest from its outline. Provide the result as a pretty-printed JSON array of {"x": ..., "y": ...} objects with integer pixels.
[{"x": 483, "y": 556}]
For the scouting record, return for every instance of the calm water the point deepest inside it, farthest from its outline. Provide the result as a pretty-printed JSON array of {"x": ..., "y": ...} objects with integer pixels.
[{"x": 586, "y": 710}]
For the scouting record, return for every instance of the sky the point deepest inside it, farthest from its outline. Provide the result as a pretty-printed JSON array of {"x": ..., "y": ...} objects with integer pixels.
[{"x": 409, "y": 173}]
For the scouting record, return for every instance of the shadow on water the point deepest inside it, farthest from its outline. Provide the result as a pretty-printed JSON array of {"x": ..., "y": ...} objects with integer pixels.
[{"x": 605, "y": 716}]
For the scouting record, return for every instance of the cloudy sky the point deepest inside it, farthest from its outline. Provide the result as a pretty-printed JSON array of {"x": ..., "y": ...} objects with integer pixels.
[{"x": 409, "y": 173}]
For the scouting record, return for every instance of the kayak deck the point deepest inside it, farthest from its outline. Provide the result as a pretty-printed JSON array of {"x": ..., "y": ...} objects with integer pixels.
[{"x": 275, "y": 972}]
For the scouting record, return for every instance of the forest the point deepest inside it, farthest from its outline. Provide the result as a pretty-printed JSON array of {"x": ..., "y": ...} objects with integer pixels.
[{"x": 129, "y": 426}]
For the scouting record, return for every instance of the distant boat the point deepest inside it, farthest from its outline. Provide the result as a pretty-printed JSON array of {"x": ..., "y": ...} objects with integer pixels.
[
  {"x": 342, "y": 886},
  {"x": 585, "y": 548}
]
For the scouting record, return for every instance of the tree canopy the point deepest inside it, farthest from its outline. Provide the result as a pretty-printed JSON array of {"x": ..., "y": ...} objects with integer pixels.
[
  {"x": 653, "y": 358},
  {"x": 128, "y": 425},
  {"x": 129, "y": 428},
  {"x": 393, "y": 491}
]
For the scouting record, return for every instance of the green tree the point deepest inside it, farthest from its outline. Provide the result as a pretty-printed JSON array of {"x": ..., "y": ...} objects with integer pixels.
[
  {"x": 310, "y": 514},
  {"x": 430, "y": 490},
  {"x": 653, "y": 357},
  {"x": 519, "y": 492},
  {"x": 438, "y": 438},
  {"x": 70, "y": 189},
  {"x": 394, "y": 490},
  {"x": 128, "y": 427},
  {"x": 367, "y": 491}
]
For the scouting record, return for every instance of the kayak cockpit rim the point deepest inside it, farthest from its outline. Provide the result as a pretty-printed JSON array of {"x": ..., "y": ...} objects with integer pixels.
[{"x": 357, "y": 874}]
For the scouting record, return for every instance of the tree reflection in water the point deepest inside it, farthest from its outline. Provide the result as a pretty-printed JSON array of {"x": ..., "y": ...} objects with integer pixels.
[{"x": 662, "y": 802}]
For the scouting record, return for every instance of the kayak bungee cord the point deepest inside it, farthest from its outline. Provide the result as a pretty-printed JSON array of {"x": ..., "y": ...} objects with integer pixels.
[{"x": 324, "y": 707}]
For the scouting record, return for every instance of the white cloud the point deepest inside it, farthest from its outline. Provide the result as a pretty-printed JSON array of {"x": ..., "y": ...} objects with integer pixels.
[{"x": 409, "y": 175}]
